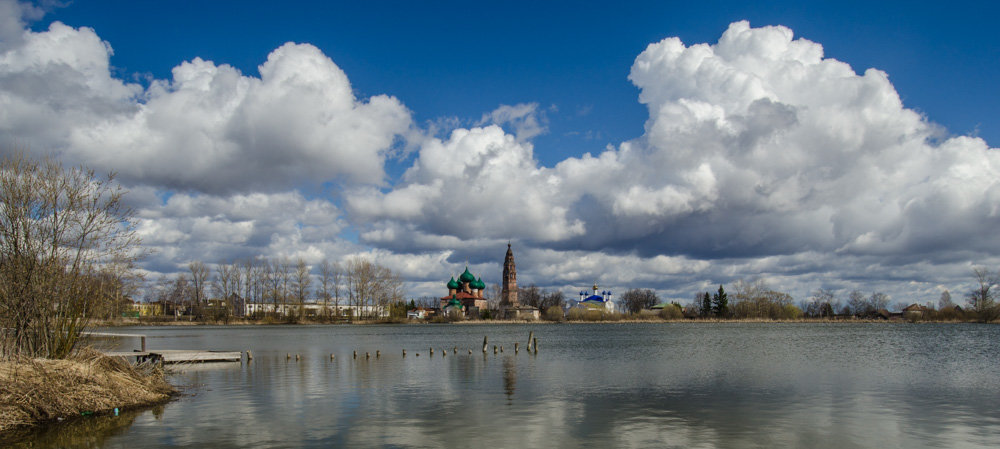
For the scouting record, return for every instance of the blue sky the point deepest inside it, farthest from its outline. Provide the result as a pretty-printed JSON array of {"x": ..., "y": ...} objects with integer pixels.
[
  {"x": 462, "y": 59},
  {"x": 663, "y": 145}
]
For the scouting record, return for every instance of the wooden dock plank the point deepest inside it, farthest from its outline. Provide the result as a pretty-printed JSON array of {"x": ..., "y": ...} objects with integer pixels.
[{"x": 182, "y": 355}]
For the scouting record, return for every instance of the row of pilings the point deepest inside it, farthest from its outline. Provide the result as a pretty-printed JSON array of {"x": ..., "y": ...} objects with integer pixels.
[{"x": 532, "y": 348}]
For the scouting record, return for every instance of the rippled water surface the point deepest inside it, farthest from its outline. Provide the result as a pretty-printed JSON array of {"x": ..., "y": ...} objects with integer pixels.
[{"x": 589, "y": 385}]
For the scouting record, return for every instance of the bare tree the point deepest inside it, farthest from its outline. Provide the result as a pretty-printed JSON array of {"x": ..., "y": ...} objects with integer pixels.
[
  {"x": 325, "y": 287},
  {"x": 251, "y": 281},
  {"x": 494, "y": 295},
  {"x": 360, "y": 275},
  {"x": 857, "y": 303},
  {"x": 945, "y": 300},
  {"x": 283, "y": 273},
  {"x": 982, "y": 298},
  {"x": 755, "y": 299},
  {"x": 427, "y": 302},
  {"x": 337, "y": 278},
  {"x": 530, "y": 295},
  {"x": 635, "y": 300},
  {"x": 225, "y": 285},
  {"x": 181, "y": 296},
  {"x": 199, "y": 280},
  {"x": 300, "y": 284},
  {"x": 390, "y": 290},
  {"x": 878, "y": 301},
  {"x": 260, "y": 280},
  {"x": 272, "y": 284},
  {"x": 822, "y": 304},
  {"x": 552, "y": 299},
  {"x": 64, "y": 233},
  {"x": 371, "y": 287}
]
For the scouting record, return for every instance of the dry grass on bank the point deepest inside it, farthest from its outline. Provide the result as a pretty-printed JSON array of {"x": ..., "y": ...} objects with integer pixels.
[{"x": 40, "y": 390}]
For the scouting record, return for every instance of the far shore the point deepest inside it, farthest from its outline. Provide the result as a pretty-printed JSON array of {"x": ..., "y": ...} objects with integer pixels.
[{"x": 133, "y": 322}]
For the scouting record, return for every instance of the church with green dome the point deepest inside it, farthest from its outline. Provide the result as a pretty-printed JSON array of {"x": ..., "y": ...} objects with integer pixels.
[{"x": 465, "y": 294}]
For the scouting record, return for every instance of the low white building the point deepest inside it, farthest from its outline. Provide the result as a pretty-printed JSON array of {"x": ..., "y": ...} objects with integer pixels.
[{"x": 316, "y": 309}]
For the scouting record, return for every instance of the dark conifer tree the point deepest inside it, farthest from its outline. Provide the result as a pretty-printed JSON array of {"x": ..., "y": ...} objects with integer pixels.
[
  {"x": 706, "y": 305},
  {"x": 720, "y": 303}
]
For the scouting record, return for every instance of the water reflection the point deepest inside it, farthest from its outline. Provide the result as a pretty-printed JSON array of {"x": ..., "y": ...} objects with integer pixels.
[
  {"x": 725, "y": 385},
  {"x": 509, "y": 378},
  {"x": 83, "y": 431}
]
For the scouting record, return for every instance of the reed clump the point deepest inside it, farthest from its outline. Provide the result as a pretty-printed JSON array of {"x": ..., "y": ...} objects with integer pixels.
[{"x": 33, "y": 391}]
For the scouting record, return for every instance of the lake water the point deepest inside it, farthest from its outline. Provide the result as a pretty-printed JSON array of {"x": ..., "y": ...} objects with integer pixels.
[{"x": 698, "y": 385}]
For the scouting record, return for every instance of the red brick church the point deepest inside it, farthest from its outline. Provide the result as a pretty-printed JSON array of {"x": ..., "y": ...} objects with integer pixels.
[{"x": 465, "y": 293}]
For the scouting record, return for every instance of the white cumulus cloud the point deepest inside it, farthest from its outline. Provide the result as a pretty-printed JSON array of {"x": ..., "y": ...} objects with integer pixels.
[
  {"x": 210, "y": 128},
  {"x": 757, "y": 148}
]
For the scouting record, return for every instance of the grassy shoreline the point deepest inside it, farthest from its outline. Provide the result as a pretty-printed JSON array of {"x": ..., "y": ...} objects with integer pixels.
[
  {"x": 34, "y": 392},
  {"x": 131, "y": 322}
]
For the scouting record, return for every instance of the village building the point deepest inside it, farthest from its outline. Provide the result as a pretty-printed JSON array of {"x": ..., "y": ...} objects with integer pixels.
[
  {"x": 465, "y": 294},
  {"x": 313, "y": 309},
  {"x": 597, "y": 301},
  {"x": 510, "y": 308}
]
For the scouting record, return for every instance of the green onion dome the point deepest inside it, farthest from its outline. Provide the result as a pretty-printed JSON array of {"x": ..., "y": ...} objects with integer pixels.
[
  {"x": 453, "y": 284},
  {"x": 454, "y": 302},
  {"x": 466, "y": 277},
  {"x": 478, "y": 284}
]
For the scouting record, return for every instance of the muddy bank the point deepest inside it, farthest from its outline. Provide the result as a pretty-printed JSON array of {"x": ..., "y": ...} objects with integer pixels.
[{"x": 39, "y": 391}]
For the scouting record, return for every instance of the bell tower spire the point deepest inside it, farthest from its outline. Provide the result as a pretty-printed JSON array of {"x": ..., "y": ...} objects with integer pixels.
[{"x": 509, "y": 293}]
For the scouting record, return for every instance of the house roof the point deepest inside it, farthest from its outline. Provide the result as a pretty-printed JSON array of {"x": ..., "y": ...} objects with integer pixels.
[{"x": 461, "y": 295}]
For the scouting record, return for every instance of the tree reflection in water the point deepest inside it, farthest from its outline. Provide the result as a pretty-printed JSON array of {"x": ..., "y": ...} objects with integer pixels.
[
  {"x": 509, "y": 378},
  {"x": 83, "y": 431}
]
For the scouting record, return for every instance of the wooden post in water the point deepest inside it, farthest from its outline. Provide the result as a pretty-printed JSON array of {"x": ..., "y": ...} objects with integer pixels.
[
  {"x": 142, "y": 343},
  {"x": 432, "y": 352},
  {"x": 367, "y": 356},
  {"x": 531, "y": 336},
  {"x": 332, "y": 356},
  {"x": 444, "y": 353},
  {"x": 355, "y": 354},
  {"x": 296, "y": 357},
  {"x": 249, "y": 355},
  {"x": 484, "y": 344},
  {"x": 534, "y": 344},
  {"x": 515, "y": 347},
  {"x": 378, "y": 353},
  {"x": 494, "y": 349},
  {"x": 404, "y": 353}
]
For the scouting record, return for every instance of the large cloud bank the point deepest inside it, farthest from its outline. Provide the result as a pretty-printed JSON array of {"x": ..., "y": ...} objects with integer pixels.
[
  {"x": 759, "y": 157},
  {"x": 209, "y": 129},
  {"x": 756, "y": 146}
]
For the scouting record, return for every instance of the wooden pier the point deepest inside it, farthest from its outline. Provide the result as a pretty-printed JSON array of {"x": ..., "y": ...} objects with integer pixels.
[
  {"x": 168, "y": 356},
  {"x": 165, "y": 356}
]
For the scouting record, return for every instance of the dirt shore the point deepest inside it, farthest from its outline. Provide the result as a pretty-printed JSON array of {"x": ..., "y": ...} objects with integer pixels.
[{"x": 37, "y": 391}]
